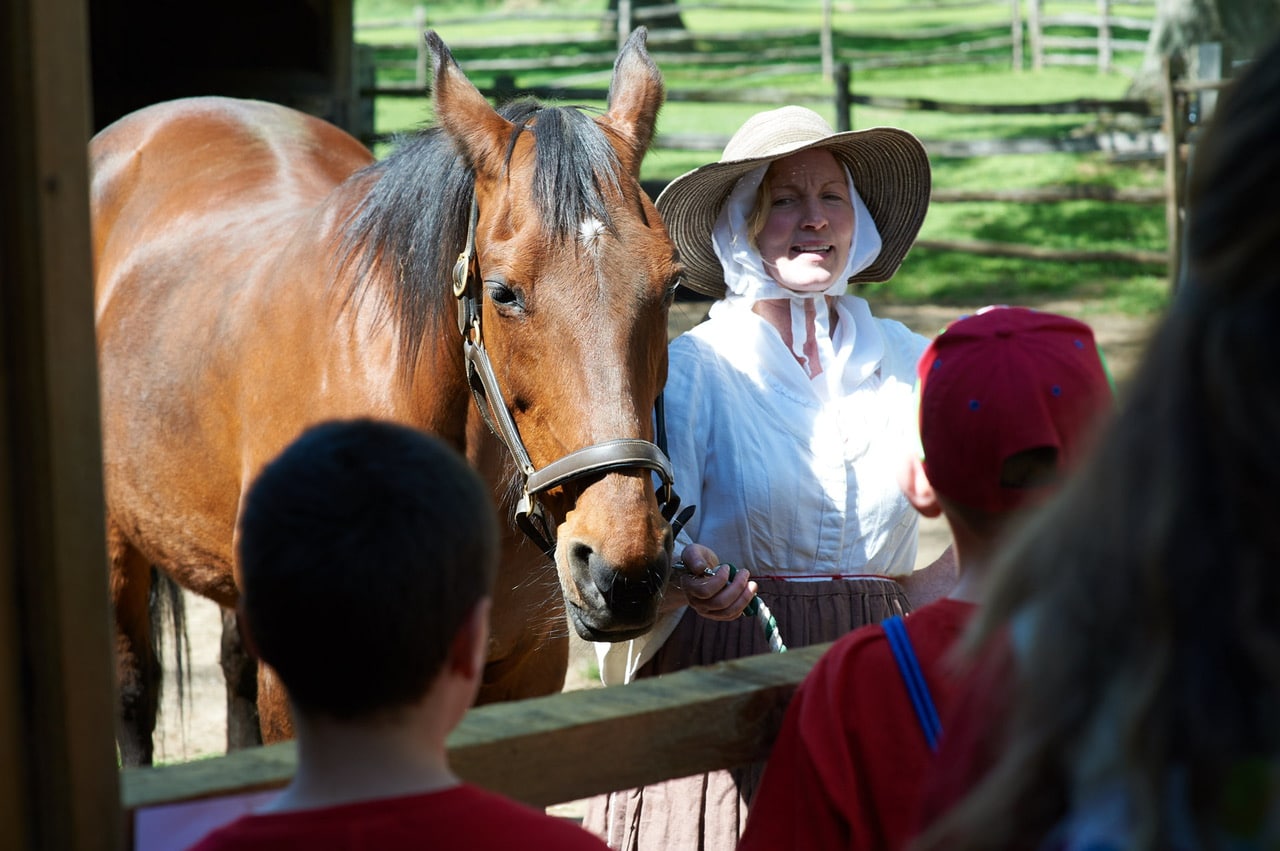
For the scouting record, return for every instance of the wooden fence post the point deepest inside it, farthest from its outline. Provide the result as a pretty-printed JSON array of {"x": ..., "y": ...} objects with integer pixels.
[
  {"x": 1186, "y": 110},
  {"x": 504, "y": 88},
  {"x": 1036, "y": 35},
  {"x": 624, "y": 22},
  {"x": 362, "y": 99},
  {"x": 1015, "y": 32},
  {"x": 826, "y": 41},
  {"x": 420, "y": 25},
  {"x": 844, "y": 98},
  {"x": 1173, "y": 166},
  {"x": 1104, "y": 36},
  {"x": 1209, "y": 66}
]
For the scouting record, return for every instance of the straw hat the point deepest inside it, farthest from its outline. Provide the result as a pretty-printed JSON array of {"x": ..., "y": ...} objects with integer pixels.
[{"x": 890, "y": 171}]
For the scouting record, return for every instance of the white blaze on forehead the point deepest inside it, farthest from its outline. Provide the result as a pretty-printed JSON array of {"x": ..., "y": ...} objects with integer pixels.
[{"x": 590, "y": 232}]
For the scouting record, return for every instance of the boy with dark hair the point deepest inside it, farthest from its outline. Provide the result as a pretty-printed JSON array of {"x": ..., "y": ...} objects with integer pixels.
[
  {"x": 367, "y": 556},
  {"x": 1008, "y": 400}
]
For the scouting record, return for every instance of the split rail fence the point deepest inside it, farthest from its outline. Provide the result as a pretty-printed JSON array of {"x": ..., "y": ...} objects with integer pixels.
[
  {"x": 1048, "y": 32},
  {"x": 1185, "y": 104}
]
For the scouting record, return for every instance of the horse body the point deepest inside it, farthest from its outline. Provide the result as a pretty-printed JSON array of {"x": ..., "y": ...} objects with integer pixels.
[
  {"x": 257, "y": 272},
  {"x": 192, "y": 415}
]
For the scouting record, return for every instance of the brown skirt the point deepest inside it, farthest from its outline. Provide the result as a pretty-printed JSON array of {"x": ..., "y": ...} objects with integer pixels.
[{"x": 708, "y": 811}]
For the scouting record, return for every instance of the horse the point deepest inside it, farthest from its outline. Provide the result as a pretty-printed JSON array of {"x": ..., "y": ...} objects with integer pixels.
[{"x": 500, "y": 280}]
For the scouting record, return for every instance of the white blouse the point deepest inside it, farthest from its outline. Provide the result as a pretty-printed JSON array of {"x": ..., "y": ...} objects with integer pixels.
[{"x": 788, "y": 482}]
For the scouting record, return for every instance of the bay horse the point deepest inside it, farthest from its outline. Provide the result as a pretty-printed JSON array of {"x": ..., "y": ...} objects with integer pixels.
[{"x": 500, "y": 280}]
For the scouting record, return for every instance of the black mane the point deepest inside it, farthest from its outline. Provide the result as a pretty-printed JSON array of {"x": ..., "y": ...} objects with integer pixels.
[{"x": 410, "y": 228}]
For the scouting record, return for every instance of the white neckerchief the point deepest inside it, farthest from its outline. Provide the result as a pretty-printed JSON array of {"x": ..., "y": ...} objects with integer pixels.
[{"x": 747, "y": 282}]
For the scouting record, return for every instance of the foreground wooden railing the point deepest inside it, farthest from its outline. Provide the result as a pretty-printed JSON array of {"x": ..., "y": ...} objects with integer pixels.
[{"x": 560, "y": 748}]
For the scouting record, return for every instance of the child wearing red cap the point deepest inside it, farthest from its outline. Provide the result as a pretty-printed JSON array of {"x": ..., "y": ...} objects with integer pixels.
[{"x": 1008, "y": 399}]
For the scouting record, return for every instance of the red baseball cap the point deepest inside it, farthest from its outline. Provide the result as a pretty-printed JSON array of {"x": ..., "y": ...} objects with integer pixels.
[{"x": 1002, "y": 381}]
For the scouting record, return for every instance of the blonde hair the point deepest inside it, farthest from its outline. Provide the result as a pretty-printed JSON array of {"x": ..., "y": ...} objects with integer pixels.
[{"x": 759, "y": 215}]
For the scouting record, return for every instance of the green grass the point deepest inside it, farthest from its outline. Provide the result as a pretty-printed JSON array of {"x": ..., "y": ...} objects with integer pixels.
[{"x": 927, "y": 276}]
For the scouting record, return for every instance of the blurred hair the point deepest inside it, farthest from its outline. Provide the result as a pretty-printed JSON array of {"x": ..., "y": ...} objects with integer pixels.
[{"x": 1146, "y": 596}]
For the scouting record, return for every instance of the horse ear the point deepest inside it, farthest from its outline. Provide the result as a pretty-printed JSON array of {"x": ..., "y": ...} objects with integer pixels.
[
  {"x": 636, "y": 94},
  {"x": 478, "y": 130}
]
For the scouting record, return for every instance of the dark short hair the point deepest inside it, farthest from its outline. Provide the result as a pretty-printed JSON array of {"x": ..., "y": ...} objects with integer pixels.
[{"x": 363, "y": 547}]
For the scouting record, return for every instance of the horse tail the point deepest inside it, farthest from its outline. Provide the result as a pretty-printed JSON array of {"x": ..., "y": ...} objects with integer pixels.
[{"x": 168, "y": 613}]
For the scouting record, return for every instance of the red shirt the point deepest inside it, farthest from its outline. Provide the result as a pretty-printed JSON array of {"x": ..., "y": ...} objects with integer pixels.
[
  {"x": 460, "y": 817},
  {"x": 974, "y": 724},
  {"x": 848, "y": 765}
]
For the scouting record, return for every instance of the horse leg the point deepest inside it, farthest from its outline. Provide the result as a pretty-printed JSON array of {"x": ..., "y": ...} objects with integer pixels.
[
  {"x": 138, "y": 674},
  {"x": 240, "y": 671}
]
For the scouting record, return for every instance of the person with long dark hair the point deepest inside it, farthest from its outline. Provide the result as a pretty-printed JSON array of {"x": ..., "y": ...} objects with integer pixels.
[{"x": 1138, "y": 616}]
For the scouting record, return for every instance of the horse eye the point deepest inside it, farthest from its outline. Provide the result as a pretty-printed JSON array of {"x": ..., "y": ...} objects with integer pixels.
[
  {"x": 672, "y": 286},
  {"x": 503, "y": 295}
]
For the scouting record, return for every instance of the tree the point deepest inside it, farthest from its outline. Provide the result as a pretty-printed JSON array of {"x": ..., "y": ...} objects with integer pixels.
[{"x": 1241, "y": 26}]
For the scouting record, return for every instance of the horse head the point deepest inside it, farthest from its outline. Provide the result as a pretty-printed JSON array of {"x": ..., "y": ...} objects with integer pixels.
[{"x": 572, "y": 272}]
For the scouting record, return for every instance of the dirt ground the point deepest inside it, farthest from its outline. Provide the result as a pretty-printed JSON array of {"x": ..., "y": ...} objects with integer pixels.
[{"x": 195, "y": 727}]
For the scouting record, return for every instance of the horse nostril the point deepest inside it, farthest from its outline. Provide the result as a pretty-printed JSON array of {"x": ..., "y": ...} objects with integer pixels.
[
  {"x": 579, "y": 557},
  {"x": 628, "y": 593}
]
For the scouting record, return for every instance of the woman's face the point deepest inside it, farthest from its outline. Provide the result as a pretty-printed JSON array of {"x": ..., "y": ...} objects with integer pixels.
[{"x": 808, "y": 228}]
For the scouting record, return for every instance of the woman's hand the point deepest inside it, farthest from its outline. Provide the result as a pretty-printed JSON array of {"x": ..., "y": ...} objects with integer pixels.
[{"x": 706, "y": 585}]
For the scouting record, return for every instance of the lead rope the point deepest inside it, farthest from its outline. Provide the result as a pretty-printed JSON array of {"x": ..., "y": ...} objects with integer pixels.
[
  {"x": 768, "y": 623},
  {"x": 756, "y": 608}
]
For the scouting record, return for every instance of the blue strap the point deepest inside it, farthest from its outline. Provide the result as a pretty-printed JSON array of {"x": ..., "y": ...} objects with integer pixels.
[{"x": 913, "y": 678}]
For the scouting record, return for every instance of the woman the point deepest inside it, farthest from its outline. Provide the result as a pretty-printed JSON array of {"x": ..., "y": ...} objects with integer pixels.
[
  {"x": 1140, "y": 677},
  {"x": 789, "y": 413}
]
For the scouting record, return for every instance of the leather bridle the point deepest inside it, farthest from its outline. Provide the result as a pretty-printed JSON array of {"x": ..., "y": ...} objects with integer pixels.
[{"x": 611, "y": 455}]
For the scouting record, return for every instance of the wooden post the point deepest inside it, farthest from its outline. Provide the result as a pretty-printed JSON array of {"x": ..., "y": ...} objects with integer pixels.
[
  {"x": 420, "y": 65},
  {"x": 1209, "y": 66},
  {"x": 365, "y": 80},
  {"x": 59, "y": 785},
  {"x": 1036, "y": 36},
  {"x": 344, "y": 98},
  {"x": 1015, "y": 32},
  {"x": 624, "y": 22},
  {"x": 844, "y": 97},
  {"x": 1104, "y": 36},
  {"x": 827, "y": 42},
  {"x": 1173, "y": 171},
  {"x": 504, "y": 88}
]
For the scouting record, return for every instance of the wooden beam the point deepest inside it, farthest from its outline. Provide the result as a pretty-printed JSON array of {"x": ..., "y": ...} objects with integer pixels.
[
  {"x": 549, "y": 750},
  {"x": 58, "y": 783},
  {"x": 560, "y": 748}
]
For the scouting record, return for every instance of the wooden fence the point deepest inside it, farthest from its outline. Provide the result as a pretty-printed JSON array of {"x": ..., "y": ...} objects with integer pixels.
[
  {"x": 1149, "y": 144},
  {"x": 554, "y": 749},
  {"x": 825, "y": 45},
  {"x": 1057, "y": 39},
  {"x": 820, "y": 41}
]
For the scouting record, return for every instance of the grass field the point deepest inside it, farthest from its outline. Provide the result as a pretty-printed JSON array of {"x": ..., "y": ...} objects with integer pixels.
[{"x": 926, "y": 276}]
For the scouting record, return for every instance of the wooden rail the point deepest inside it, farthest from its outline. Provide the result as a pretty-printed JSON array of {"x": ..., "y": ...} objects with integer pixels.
[
  {"x": 567, "y": 746},
  {"x": 541, "y": 751}
]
